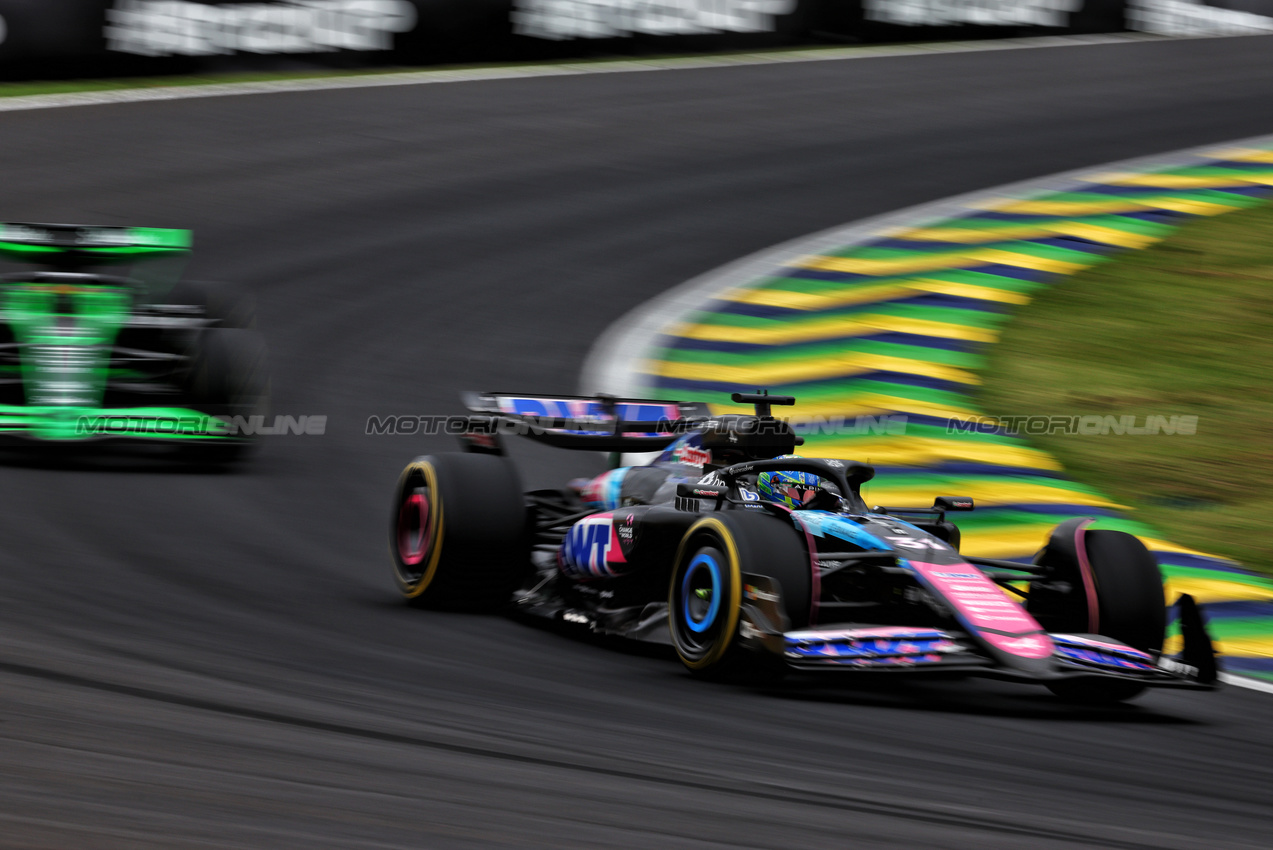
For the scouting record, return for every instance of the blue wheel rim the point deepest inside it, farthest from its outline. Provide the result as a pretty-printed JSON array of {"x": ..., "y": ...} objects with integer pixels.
[{"x": 700, "y": 624}]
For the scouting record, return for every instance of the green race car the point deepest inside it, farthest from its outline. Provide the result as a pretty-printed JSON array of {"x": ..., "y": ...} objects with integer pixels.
[{"x": 90, "y": 355}]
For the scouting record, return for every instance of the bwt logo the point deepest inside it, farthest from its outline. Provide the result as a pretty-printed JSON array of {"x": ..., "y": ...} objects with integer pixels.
[
  {"x": 589, "y": 547},
  {"x": 181, "y": 28}
]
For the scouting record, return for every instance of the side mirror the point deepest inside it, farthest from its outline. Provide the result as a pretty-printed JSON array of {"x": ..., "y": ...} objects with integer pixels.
[
  {"x": 708, "y": 492},
  {"x": 701, "y": 491},
  {"x": 953, "y": 503}
]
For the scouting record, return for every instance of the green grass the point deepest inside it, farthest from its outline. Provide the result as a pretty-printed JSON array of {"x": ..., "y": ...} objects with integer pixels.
[{"x": 1185, "y": 327}]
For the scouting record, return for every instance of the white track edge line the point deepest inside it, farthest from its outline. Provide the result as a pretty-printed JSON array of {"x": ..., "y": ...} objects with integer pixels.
[
  {"x": 1246, "y": 682},
  {"x": 611, "y": 364},
  {"x": 160, "y": 93}
]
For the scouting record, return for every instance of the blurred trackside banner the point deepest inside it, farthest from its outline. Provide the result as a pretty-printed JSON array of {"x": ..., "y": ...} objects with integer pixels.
[
  {"x": 172, "y": 27},
  {"x": 1162, "y": 17},
  {"x": 88, "y": 37},
  {"x": 569, "y": 19},
  {"x": 1187, "y": 17}
]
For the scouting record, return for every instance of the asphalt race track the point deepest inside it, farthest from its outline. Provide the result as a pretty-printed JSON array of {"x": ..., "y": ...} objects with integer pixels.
[{"x": 195, "y": 660}]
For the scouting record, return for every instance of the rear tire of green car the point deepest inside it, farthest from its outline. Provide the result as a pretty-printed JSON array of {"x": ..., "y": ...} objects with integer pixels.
[
  {"x": 225, "y": 305},
  {"x": 229, "y": 378}
]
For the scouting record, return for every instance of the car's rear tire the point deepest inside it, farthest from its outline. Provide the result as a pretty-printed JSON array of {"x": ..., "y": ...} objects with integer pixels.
[
  {"x": 228, "y": 377},
  {"x": 459, "y": 531},
  {"x": 705, "y": 595},
  {"x": 1099, "y": 582},
  {"x": 226, "y": 306}
]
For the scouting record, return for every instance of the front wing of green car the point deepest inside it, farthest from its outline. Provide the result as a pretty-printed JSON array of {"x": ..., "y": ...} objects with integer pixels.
[{"x": 67, "y": 423}]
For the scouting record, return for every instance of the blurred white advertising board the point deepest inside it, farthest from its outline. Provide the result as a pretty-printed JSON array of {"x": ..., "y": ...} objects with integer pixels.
[
  {"x": 996, "y": 13},
  {"x": 565, "y": 19},
  {"x": 1191, "y": 17},
  {"x": 180, "y": 28}
]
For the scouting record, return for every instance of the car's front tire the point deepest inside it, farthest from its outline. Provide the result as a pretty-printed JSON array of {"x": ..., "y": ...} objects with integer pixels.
[
  {"x": 1099, "y": 582},
  {"x": 705, "y": 594}
]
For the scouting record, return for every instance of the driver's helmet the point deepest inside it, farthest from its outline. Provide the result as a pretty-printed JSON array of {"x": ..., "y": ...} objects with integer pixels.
[{"x": 793, "y": 489}]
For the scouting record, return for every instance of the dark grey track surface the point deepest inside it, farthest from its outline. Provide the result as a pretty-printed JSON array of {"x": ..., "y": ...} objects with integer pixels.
[{"x": 202, "y": 660}]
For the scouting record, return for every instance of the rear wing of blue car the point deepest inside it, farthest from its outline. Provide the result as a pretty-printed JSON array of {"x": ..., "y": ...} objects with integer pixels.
[
  {"x": 597, "y": 423},
  {"x": 77, "y": 244}
]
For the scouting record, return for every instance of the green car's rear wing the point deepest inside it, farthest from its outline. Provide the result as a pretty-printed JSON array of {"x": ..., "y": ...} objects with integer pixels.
[{"x": 79, "y": 245}]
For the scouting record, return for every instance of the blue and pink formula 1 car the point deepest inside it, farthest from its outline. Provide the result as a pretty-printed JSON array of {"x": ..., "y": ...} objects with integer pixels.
[{"x": 751, "y": 561}]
